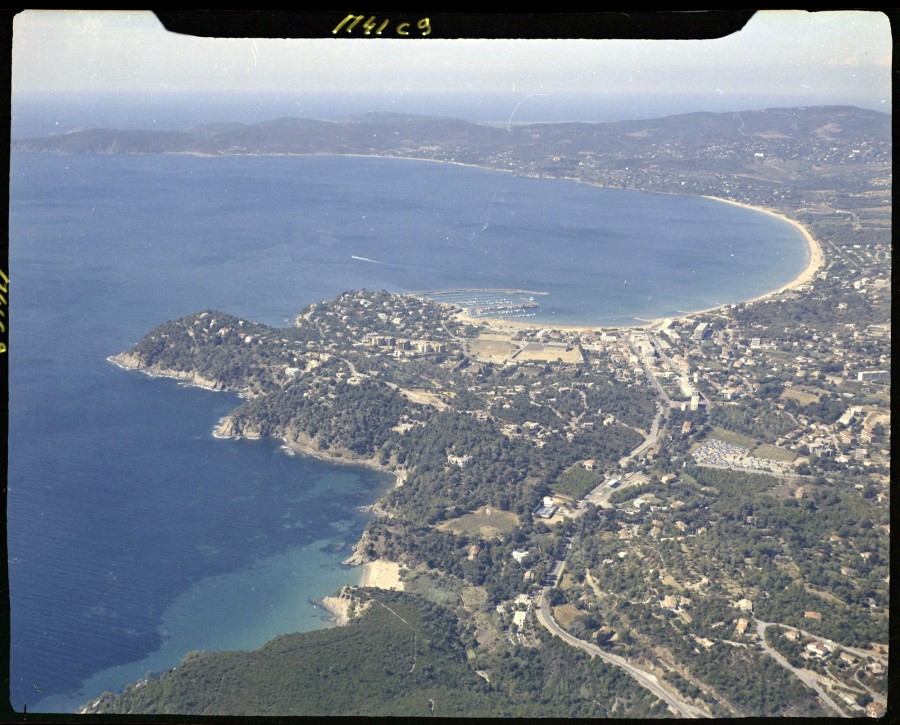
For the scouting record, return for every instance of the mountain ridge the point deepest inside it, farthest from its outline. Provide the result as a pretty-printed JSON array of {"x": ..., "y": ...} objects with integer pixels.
[{"x": 361, "y": 133}]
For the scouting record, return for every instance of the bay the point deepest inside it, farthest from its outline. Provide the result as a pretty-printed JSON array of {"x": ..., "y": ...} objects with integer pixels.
[{"x": 135, "y": 536}]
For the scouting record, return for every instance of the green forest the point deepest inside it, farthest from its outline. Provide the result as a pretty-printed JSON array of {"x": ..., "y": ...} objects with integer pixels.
[{"x": 404, "y": 656}]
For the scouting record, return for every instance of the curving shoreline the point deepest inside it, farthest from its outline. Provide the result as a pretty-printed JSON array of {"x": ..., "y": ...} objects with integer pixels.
[
  {"x": 815, "y": 253},
  {"x": 375, "y": 573},
  {"x": 127, "y": 361},
  {"x": 223, "y": 427},
  {"x": 814, "y": 249},
  {"x": 816, "y": 258}
]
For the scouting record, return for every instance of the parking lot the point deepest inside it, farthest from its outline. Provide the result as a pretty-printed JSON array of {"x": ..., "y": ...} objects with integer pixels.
[{"x": 714, "y": 452}]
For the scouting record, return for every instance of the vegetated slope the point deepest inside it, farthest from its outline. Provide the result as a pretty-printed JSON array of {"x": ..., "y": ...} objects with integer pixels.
[
  {"x": 403, "y": 656},
  {"x": 799, "y": 130}
]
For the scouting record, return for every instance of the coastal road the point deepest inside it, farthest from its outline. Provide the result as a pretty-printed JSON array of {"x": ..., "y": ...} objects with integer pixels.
[
  {"x": 808, "y": 679},
  {"x": 645, "y": 679}
]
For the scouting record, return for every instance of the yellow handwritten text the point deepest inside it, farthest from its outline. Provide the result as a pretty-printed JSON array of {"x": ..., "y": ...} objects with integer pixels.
[
  {"x": 4, "y": 288},
  {"x": 372, "y": 26}
]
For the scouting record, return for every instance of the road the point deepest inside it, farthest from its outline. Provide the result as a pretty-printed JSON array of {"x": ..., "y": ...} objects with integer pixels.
[
  {"x": 877, "y": 696},
  {"x": 648, "y": 441},
  {"x": 670, "y": 366},
  {"x": 645, "y": 366},
  {"x": 861, "y": 653},
  {"x": 808, "y": 679},
  {"x": 600, "y": 495},
  {"x": 645, "y": 679}
]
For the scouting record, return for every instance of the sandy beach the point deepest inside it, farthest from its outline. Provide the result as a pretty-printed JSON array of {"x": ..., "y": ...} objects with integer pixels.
[
  {"x": 381, "y": 574},
  {"x": 816, "y": 255},
  {"x": 498, "y": 324},
  {"x": 814, "y": 263}
]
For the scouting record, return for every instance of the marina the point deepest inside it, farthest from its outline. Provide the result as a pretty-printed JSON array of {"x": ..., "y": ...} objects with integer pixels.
[{"x": 512, "y": 303}]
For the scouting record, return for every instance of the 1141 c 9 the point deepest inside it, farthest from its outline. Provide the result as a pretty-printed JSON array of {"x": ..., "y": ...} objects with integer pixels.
[{"x": 371, "y": 26}]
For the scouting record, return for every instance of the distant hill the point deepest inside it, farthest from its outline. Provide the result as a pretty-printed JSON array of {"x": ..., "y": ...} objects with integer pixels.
[
  {"x": 426, "y": 137},
  {"x": 781, "y": 158},
  {"x": 367, "y": 134}
]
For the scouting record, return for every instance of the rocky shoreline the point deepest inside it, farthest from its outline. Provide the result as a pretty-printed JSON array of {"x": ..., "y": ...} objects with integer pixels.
[
  {"x": 129, "y": 361},
  {"x": 299, "y": 442},
  {"x": 342, "y": 606},
  {"x": 295, "y": 441}
]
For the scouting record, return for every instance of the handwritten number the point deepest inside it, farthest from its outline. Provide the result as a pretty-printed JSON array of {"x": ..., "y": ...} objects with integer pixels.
[
  {"x": 4, "y": 288},
  {"x": 351, "y": 21},
  {"x": 354, "y": 18}
]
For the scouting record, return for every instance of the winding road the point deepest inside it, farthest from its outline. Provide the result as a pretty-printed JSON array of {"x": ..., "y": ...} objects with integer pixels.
[
  {"x": 807, "y": 678},
  {"x": 645, "y": 679},
  {"x": 809, "y": 635}
]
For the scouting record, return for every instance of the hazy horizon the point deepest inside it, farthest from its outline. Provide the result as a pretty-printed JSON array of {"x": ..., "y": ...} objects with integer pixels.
[
  {"x": 74, "y": 69},
  {"x": 43, "y": 114}
]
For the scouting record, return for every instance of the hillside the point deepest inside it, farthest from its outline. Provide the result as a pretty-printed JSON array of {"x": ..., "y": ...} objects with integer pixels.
[
  {"x": 833, "y": 157},
  {"x": 401, "y": 656}
]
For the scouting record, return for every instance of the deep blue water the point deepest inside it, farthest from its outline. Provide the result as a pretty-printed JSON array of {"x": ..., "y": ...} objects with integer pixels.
[{"x": 134, "y": 536}]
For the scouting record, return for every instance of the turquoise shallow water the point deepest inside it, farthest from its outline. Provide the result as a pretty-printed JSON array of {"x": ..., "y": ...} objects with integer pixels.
[{"x": 134, "y": 536}]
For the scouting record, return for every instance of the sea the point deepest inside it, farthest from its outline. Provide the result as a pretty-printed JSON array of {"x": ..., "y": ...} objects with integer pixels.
[{"x": 134, "y": 535}]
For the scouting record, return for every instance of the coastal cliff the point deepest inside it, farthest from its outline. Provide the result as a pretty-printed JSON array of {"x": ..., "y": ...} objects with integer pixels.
[
  {"x": 298, "y": 385},
  {"x": 297, "y": 441},
  {"x": 383, "y": 381},
  {"x": 345, "y": 605},
  {"x": 131, "y": 361}
]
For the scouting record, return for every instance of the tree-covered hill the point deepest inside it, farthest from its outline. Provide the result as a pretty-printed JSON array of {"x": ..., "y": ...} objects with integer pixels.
[{"x": 402, "y": 657}]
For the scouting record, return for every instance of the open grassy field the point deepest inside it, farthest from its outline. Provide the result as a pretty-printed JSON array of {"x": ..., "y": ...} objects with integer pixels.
[
  {"x": 800, "y": 396},
  {"x": 545, "y": 353},
  {"x": 565, "y": 614},
  {"x": 576, "y": 481},
  {"x": 473, "y": 596},
  {"x": 765, "y": 450},
  {"x": 737, "y": 439},
  {"x": 486, "y": 523},
  {"x": 423, "y": 397},
  {"x": 437, "y": 589}
]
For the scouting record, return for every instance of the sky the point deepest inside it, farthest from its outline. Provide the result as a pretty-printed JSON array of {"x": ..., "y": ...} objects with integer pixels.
[{"x": 780, "y": 58}]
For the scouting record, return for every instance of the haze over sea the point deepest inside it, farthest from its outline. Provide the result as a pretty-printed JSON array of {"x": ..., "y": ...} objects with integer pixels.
[{"x": 134, "y": 536}]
